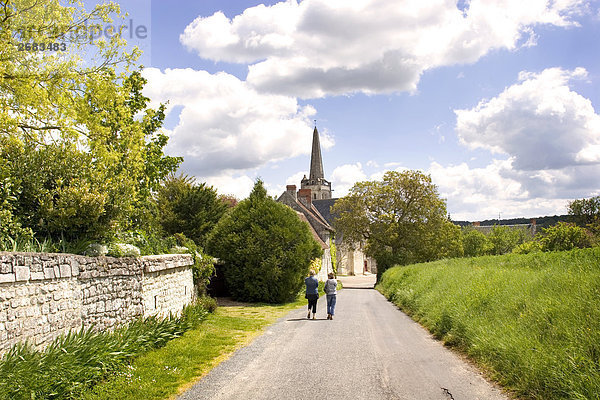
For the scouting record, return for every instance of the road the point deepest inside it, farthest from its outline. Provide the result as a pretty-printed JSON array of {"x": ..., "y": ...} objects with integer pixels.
[{"x": 370, "y": 350}]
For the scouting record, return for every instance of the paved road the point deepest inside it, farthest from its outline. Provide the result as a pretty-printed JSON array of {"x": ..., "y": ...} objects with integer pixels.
[{"x": 369, "y": 351}]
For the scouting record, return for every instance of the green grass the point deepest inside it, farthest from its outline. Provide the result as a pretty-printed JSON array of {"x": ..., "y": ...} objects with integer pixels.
[
  {"x": 80, "y": 359},
  {"x": 531, "y": 321},
  {"x": 165, "y": 372}
]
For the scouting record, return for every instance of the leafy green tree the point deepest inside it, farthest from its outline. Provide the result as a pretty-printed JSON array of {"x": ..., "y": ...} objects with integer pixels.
[
  {"x": 265, "y": 247},
  {"x": 586, "y": 211},
  {"x": 189, "y": 208},
  {"x": 42, "y": 90},
  {"x": 402, "y": 219},
  {"x": 475, "y": 243},
  {"x": 83, "y": 152}
]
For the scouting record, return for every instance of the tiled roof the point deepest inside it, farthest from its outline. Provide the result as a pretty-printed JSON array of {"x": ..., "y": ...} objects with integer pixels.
[
  {"x": 324, "y": 208},
  {"x": 312, "y": 231}
]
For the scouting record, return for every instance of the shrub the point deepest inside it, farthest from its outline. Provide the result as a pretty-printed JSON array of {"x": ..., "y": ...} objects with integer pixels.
[
  {"x": 504, "y": 239},
  {"x": 565, "y": 236},
  {"x": 475, "y": 243},
  {"x": 265, "y": 247},
  {"x": 189, "y": 208},
  {"x": 123, "y": 250},
  {"x": 531, "y": 246}
]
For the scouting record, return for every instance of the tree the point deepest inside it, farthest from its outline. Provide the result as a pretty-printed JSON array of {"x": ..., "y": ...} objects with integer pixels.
[
  {"x": 82, "y": 150},
  {"x": 475, "y": 243},
  {"x": 42, "y": 88},
  {"x": 503, "y": 239},
  {"x": 189, "y": 208},
  {"x": 265, "y": 247},
  {"x": 586, "y": 211},
  {"x": 402, "y": 219}
]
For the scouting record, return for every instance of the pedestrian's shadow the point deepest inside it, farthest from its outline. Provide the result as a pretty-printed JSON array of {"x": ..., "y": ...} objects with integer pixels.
[{"x": 306, "y": 319}]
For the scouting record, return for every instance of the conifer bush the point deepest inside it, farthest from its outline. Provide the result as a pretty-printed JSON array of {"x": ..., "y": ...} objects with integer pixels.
[{"x": 265, "y": 247}]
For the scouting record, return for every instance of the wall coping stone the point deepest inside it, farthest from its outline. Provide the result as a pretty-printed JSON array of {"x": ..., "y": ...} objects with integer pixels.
[{"x": 23, "y": 267}]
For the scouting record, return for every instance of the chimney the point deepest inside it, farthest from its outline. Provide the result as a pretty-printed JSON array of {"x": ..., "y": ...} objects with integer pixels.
[
  {"x": 291, "y": 189},
  {"x": 476, "y": 223},
  {"x": 305, "y": 197}
]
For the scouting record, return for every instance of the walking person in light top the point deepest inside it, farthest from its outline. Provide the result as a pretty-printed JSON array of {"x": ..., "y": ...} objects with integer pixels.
[
  {"x": 330, "y": 289},
  {"x": 312, "y": 293}
]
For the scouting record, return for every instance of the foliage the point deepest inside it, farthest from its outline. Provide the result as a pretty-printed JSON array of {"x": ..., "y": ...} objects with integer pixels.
[
  {"x": 316, "y": 265},
  {"x": 475, "y": 243},
  {"x": 189, "y": 208},
  {"x": 78, "y": 360},
  {"x": 265, "y": 247},
  {"x": 333, "y": 253},
  {"x": 11, "y": 231},
  {"x": 123, "y": 250},
  {"x": 586, "y": 211},
  {"x": 530, "y": 246},
  {"x": 564, "y": 236},
  {"x": 503, "y": 239},
  {"x": 532, "y": 320},
  {"x": 80, "y": 148},
  {"x": 401, "y": 218}
]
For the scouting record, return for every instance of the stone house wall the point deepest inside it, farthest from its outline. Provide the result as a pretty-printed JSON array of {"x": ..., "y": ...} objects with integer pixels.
[{"x": 45, "y": 295}]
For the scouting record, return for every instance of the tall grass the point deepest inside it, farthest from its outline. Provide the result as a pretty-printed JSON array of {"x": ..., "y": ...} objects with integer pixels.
[
  {"x": 533, "y": 321},
  {"x": 78, "y": 360}
]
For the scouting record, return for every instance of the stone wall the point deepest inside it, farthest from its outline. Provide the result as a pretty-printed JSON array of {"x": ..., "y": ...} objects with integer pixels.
[{"x": 45, "y": 295}]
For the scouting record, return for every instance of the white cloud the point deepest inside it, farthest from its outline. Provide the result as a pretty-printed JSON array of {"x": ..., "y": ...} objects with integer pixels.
[
  {"x": 226, "y": 125},
  {"x": 539, "y": 121},
  {"x": 551, "y": 137},
  {"x": 314, "y": 48},
  {"x": 475, "y": 194},
  {"x": 296, "y": 178},
  {"x": 229, "y": 183},
  {"x": 345, "y": 176}
]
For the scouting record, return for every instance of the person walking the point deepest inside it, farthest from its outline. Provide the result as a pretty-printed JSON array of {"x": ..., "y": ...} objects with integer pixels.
[
  {"x": 330, "y": 289},
  {"x": 312, "y": 293}
]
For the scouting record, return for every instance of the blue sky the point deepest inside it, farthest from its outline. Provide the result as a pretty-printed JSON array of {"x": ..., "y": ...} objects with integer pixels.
[{"x": 497, "y": 100}]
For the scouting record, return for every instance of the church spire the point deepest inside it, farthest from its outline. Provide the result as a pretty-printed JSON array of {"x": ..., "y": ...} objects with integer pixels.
[{"x": 316, "y": 162}]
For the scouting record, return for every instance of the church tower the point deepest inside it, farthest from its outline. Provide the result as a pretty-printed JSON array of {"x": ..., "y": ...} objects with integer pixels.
[{"x": 320, "y": 188}]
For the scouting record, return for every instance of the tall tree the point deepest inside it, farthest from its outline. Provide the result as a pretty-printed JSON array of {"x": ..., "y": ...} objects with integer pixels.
[
  {"x": 586, "y": 211},
  {"x": 82, "y": 150},
  {"x": 401, "y": 218},
  {"x": 189, "y": 208}
]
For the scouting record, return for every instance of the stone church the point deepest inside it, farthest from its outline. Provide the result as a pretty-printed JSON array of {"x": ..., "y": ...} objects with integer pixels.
[{"x": 313, "y": 204}]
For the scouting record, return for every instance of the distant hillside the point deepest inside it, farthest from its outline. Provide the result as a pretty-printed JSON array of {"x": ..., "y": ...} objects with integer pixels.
[{"x": 542, "y": 222}]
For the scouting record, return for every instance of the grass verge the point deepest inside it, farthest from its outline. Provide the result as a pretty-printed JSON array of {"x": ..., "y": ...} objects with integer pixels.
[
  {"x": 532, "y": 321},
  {"x": 165, "y": 372}
]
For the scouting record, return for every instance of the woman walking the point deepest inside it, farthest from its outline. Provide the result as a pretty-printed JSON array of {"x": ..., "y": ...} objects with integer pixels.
[
  {"x": 330, "y": 289},
  {"x": 312, "y": 293}
]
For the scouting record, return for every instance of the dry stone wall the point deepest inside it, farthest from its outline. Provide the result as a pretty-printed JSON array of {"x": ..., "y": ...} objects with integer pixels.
[{"x": 45, "y": 295}]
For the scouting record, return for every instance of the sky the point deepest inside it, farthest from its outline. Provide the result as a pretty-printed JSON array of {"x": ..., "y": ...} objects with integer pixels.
[{"x": 497, "y": 100}]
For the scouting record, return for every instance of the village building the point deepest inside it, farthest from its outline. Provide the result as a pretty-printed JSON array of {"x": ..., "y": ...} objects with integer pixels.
[{"x": 313, "y": 202}]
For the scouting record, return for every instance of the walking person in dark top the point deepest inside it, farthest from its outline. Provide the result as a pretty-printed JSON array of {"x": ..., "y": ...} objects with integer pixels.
[
  {"x": 312, "y": 293},
  {"x": 330, "y": 289}
]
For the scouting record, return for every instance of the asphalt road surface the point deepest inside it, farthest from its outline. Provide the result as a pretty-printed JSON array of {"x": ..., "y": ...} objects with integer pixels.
[{"x": 370, "y": 350}]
